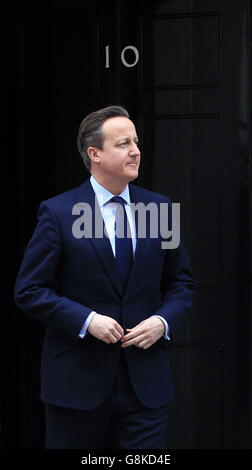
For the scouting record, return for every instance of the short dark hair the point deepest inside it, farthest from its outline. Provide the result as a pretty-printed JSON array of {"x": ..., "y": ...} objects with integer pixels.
[{"x": 90, "y": 130}]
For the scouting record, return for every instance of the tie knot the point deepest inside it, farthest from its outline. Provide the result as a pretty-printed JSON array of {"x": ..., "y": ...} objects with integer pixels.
[{"x": 118, "y": 200}]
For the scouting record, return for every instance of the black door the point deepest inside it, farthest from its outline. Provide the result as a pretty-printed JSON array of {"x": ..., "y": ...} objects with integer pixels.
[{"x": 181, "y": 69}]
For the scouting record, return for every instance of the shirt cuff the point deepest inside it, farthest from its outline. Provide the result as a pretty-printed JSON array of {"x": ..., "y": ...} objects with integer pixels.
[
  {"x": 166, "y": 333},
  {"x": 83, "y": 330}
]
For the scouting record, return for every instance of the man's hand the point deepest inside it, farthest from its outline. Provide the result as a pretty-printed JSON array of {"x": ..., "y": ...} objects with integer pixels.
[
  {"x": 144, "y": 334},
  {"x": 105, "y": 328}
]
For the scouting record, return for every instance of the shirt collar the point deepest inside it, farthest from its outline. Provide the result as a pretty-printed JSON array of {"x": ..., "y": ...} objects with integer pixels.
[{"x": 103, "y": 195}]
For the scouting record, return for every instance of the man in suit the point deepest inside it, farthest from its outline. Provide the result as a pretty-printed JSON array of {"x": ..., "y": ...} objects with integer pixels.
[{"x": 110, "y": 303}]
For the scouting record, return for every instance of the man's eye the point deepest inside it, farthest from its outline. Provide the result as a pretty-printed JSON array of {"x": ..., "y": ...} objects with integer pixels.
[{"x": 122, "y": 144}]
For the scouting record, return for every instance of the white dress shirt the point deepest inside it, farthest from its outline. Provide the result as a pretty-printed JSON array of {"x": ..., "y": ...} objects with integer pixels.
[{"x": 108, "y": 210}]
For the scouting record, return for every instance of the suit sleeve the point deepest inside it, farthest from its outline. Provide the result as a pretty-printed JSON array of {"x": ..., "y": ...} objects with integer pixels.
[
  {"x": 35, "y": 289},
  {"x": 177, "y": 288}
]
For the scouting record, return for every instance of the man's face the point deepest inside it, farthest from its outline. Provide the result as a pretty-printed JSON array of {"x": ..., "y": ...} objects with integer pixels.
[{"x": 120, "y": 157}]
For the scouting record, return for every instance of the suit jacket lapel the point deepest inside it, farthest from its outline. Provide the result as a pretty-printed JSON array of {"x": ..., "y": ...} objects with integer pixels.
[
  {"x": 99, "y": 240},
  {"x": 142, "y": 245}
]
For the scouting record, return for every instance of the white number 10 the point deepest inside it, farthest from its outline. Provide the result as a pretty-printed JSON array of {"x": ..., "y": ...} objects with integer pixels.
[{"x": 125, "y": 63}]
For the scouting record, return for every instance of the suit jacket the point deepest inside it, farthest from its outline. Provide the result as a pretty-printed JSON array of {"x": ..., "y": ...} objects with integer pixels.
[{"x": 63, "y": 278}]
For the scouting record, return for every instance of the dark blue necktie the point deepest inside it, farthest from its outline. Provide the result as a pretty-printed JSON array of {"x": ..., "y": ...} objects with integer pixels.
[{"x": 123, "y": 243}]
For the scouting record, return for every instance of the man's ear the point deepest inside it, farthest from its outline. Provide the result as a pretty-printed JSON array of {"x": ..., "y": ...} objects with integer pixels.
[{"x": 94, "y": 155}]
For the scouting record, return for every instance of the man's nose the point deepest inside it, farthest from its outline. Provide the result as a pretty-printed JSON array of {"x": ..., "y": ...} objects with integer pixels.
[{"x": 134, "y": 150}]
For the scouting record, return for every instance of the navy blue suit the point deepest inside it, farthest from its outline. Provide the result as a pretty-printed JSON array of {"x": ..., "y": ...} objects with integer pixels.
[{"x": 63, "y": 278}]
